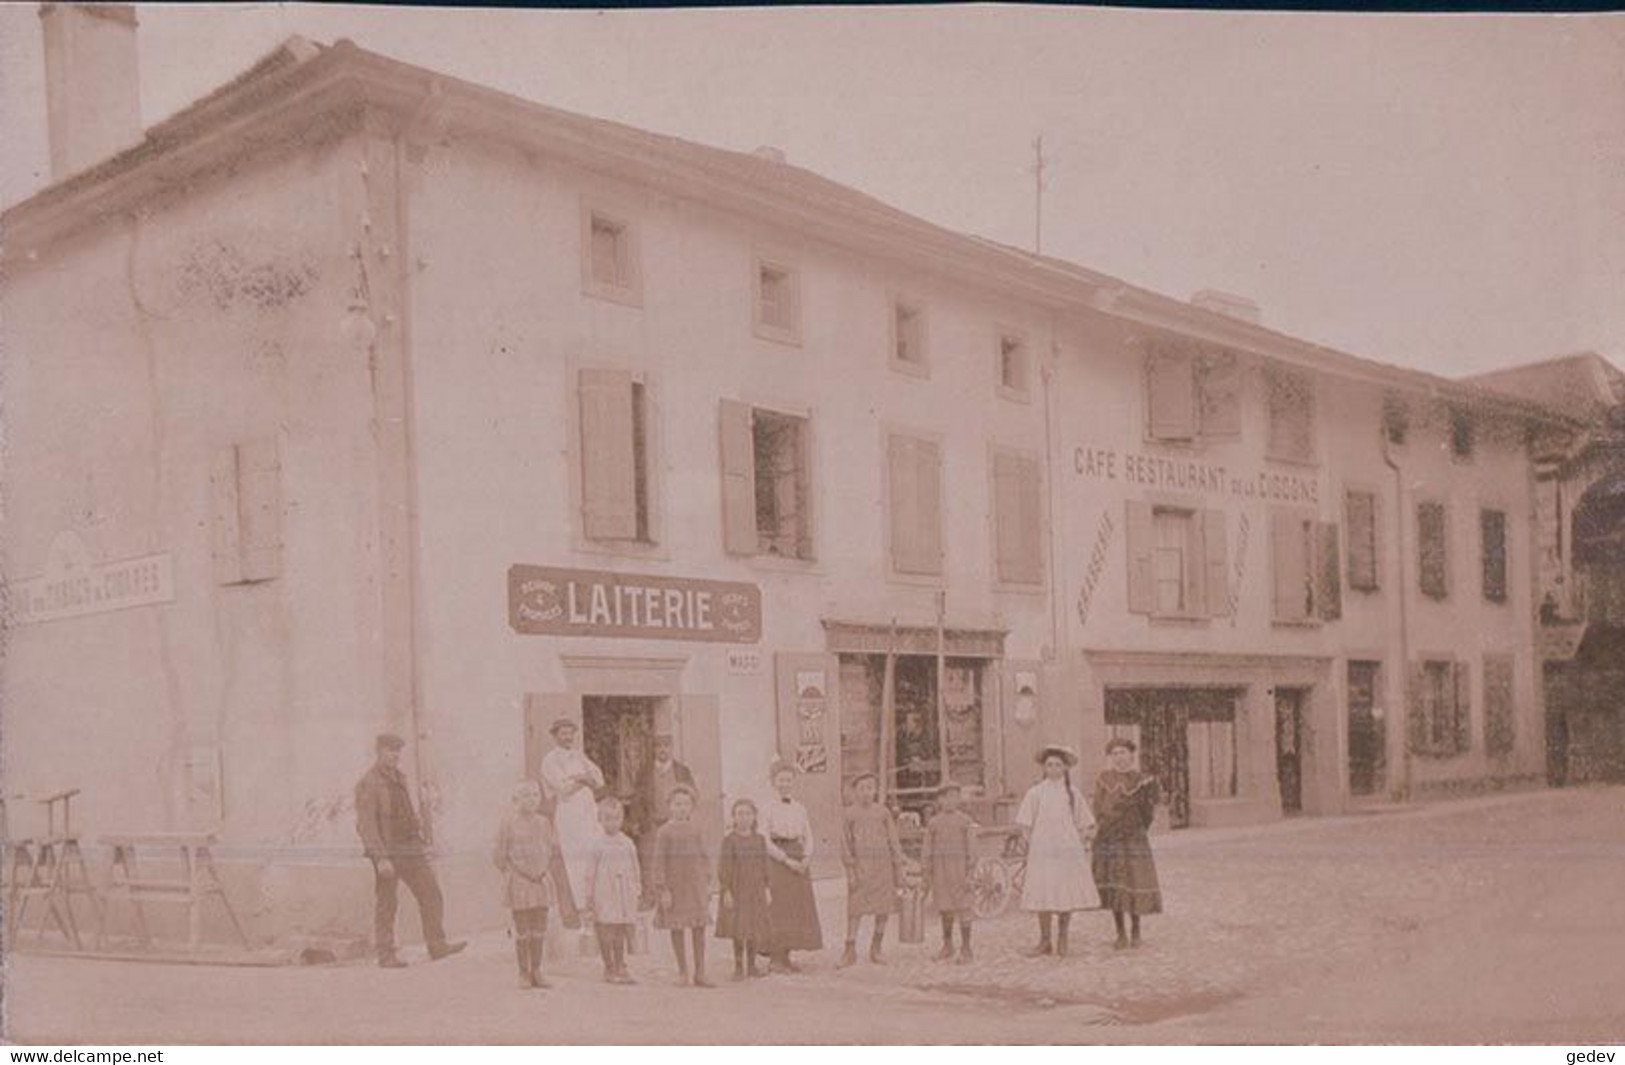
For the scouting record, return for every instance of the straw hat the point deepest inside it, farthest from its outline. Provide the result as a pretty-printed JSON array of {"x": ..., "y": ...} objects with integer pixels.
[{"x": 1065, "y": 754}]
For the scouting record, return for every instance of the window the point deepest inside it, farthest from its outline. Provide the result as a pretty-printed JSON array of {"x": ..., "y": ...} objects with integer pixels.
[
  {"x": 1014, "y": 367},
  {"x": 1492, "y": 527},
  {"x": 1396, "y": 420},
  {"x": 778, "y": 302},
  {"x": 1306, "y": 572},
  {"x": 1461, "y": 435},
  {"x": 1440, "y": 708},
  {"x": 614, "y": 457},
  {"x": 1368, "y": 737},
  {"x": 915, "y": 484},
  {"x": 908, "y": 337},
  {"x": 246, "y": 486},
  {"x": 1177, "y": 562},
  {"x": 610, "y": 258},
  {"x": 1500, "y": 734},
  {"x": 1291, "y": 416},
  {"x": 1210, "y": 735},
  {"x": 1360, "y": 518},
  {"x": 1191, "y": 395},
  {"x": 766, "y": 483},
  {"x": 1433, "y": 558},
  {"x": 1018, "y": 529}
]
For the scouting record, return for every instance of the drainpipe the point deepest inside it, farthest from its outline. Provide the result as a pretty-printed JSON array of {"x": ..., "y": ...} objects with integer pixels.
[{"x": 1404, "y": 716}]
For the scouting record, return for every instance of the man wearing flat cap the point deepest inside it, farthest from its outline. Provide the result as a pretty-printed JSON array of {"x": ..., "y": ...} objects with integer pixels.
[{"x": 393, "y": 842}]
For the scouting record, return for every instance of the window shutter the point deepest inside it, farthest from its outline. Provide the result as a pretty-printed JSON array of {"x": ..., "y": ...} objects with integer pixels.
[
  {"x": 1141, "y": 538},
  {"x": 1218, "y": 388},
  {"x": 928, "y": 482},
  {"x": 1017, "y": 523},
  {"x": 1032, "y": 522},
  {"x": 1328, "y": 585},
  {"x": 1433, "y": 557},
  {"x": 1493, "y": 539},
  {"x": 609, "y": 506},
  {"x": 1170, "y": 395},
  {"x": 1360, "y": 517},
  {"x": 1499, "y": 730},
  {"x": 1416, "y": 732},
  {"x": 803, "y": 479},
  {"x": 227, "y": 538},
  {"x": 1463, "y": 685},
  {"x": 259, "y": 476},
  {"x": 739, "y": 533},
  {"x": 1291, "y": 566},
  {"x": 1217, "y": 568}
]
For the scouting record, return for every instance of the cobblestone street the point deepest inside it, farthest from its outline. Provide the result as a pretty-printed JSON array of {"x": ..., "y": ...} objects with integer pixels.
[{"x": 1492, "y": 919}]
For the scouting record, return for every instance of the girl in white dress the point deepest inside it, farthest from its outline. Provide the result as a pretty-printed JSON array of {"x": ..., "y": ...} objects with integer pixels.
[
  {"x": 1055, "y": 823},
  {"x": 569, "y": 778}
]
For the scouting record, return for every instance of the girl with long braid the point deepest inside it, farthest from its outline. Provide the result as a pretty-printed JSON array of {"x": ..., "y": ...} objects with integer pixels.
[{"x": 1056, "y": 822}]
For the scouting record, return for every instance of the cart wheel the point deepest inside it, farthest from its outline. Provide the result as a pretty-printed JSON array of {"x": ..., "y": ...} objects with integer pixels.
[{"x": 990, "y": 888}]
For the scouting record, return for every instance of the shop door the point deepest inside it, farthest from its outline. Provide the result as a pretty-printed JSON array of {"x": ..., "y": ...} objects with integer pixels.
[
  {"x": 1289, "y": 747},
  {"x": 617, "y": 733},
  {"x": 1160, "y": 718},
  {"x": 1367, "y": 731}
]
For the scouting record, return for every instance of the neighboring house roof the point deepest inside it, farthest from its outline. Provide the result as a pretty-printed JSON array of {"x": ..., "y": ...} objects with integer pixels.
[
  {"x": 300, "y": 81},
  {"x": 1584, "y": 384}
]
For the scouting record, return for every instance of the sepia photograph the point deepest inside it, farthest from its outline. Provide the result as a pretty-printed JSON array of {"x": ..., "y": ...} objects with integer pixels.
[{"x": 865, "y": 525}]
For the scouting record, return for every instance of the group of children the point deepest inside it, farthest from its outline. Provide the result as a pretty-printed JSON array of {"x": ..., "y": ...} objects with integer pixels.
[{"x": 1055, "y": 821}]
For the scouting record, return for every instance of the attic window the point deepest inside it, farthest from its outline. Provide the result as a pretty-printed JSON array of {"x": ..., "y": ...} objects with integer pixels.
[
  {"x": 908, "y": 338},
  {"x": 1461, "y": 435},
  {"x": 778, "y": 302},
  {"x": 1015, "y": 367},
  {"x": 610, "y": 257},
  {"x": 1396, "y": 420}
]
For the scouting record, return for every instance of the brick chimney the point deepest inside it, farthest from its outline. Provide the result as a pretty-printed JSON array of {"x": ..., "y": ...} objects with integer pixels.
[{"x": 92, "y": 84}]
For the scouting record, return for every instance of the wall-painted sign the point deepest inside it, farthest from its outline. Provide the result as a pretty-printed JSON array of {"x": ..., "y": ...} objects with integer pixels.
[
  {"x": 1097, "y": 566},
  {"x": 1189, "y": 475},
  {"x": 570, "y": 602},
  {"x": 73, "y": 586},
  {"x": 744, "y": 661}
]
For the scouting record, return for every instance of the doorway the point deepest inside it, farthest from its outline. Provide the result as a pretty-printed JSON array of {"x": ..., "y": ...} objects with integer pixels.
[
  {"x": 617, "y": 733},
  {"x": 1368, "y": 733},
  {"x": 1289, "y": 747},
  {"x": 1187, "y": 740}
]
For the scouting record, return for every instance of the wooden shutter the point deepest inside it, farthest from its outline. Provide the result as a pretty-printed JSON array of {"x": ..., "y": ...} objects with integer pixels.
[
  {"x": 739, "y": 533},
  {"x": 928, "y": 477},
  {"x": 1017, "y": 518},
  {"x": 1329, "y": 572},
  {"x": 1462, "y": 683},
  {"x": 1140, "y": 534},
  {"x": 1416, "y": 732},
  {"x": 1170, "y": 395},
  {"x": 1500, "y": 734},
  {"x": 227, "y": 529},
  {"x": 1216, "y": 567},
  {"x": 1291, "y": 565},
  {"x": 1493, "y": 540},
  {"x": 609, "y": 506},
  {"x": 1218, "y": 389},
  {"x": 1360, "y": 517},
  {"x": 1433, "y": 560},
  {"x": 916, "y": 505},
  {"x": 259, "y": 477}
]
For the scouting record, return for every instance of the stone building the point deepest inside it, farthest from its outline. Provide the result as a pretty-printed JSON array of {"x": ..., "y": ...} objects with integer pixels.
[{"x": 355, "y": 397}]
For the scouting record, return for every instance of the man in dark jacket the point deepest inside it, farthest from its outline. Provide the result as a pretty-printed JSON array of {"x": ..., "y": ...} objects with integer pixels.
[
  {"x": 651, "y": 803},
  {"x": 394, "y": 842}
]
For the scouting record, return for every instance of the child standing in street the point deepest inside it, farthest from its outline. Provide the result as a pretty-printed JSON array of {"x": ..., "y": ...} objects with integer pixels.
[
  {"x": 947, "y": 860},
  {"x": 524, "y": 850},
  {"x": 873, "y": 856},
  {"x": 742, "y": 873},
  {"x": 612, "y": 885},
  {"x": 1125, "y": 803},
  {"x": 680, "y": 875}
]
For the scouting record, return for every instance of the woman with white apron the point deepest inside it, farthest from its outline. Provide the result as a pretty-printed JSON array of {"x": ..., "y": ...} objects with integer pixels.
[{"x": 569, "y": 778}]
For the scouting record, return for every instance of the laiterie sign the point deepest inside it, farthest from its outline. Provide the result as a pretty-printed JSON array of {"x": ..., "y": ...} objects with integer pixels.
[{"x": 573, "y": 602}]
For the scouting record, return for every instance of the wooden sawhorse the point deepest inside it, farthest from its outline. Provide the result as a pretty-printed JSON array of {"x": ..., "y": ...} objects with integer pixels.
[
  {"x": 197, "y": 883},
  {"x": 52, "y": 869}
]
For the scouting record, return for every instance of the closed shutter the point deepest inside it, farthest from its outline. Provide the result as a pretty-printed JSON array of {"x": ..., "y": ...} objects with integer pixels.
[
  {"x": 928, "y": 478},
  {"x": 1328, "y": 584},
  {"x": 1432, "y": 554},
  {"x": 227, "y": 530},
  {"x": 1360, "y": 516},
  {"x": 1500, "y": 735},
  {"x": 1291, "y": 566},
  {"x": 1493, "y": 536},
  {"x": 1417, "y": 726},
  {"x": 739, "y": 533},
  {"x": 1141, "y": 538},
  {"x": 916, "y": 505},
  {"x": 1217, "y": 567},
  {"x": 259, "y": 475},
  {"x": 609, "y": 507},
  {"x": 1463, "y": 684},
  {"x": 1218, "y": 388},
  {"x": 1017, "y": 521},
  {"x": 1170, "y": 395}
]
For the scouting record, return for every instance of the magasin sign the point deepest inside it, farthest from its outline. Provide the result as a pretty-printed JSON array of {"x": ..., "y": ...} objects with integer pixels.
[{"x": 568, "y": 602}]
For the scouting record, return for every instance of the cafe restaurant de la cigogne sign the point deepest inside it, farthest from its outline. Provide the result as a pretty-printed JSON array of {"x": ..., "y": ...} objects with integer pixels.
[{"x": 570, "y": 602}]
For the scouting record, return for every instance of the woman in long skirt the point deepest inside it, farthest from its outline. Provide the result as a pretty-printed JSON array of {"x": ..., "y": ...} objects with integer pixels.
[
  {"x": 1055, "y": 821},
  {"x": 569, "y": 780},
  {"x": 790, "y": 845},
  {"x": 1125, "y": 802}
]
